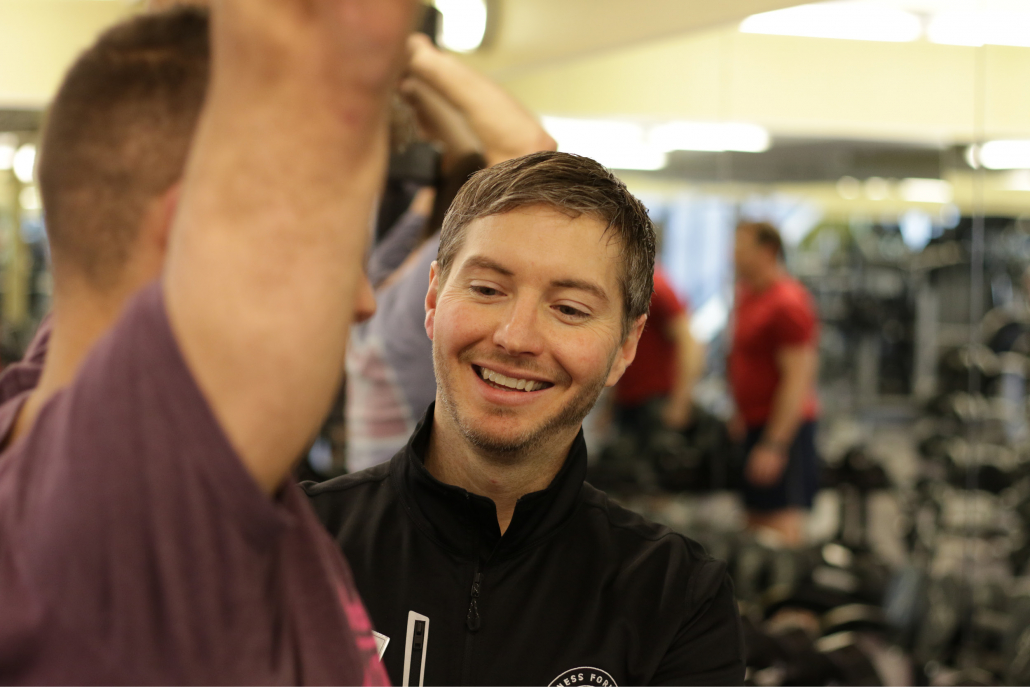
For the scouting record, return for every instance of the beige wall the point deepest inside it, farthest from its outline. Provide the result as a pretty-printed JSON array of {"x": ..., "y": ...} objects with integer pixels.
[
  {"x": 914, "y": 91},
  {"x": 794, "y": 86},
  {"x": 804, "y": 86},
  {"x": 40, "y": 38}
]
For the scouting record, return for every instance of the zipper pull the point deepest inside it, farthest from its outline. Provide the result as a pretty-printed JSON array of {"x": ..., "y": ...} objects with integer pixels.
[{"x": 472, "y": 619}]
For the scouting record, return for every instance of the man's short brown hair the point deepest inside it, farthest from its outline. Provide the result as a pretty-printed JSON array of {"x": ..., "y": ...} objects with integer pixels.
[
  {"x": 573, "y": 185},
  {"x": 118, "y": 133},
  {"x": 766, "y": 235}
]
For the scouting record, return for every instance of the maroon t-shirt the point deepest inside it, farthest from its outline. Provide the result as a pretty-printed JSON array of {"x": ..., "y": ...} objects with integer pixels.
[
  {"x": 764, "y": 322},
  {"x": 653, "y": 371},
  {"x": 136, "y": 548}
]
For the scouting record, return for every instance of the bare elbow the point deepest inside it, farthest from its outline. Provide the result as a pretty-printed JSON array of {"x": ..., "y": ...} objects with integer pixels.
[{"x": 546, "y": 142}]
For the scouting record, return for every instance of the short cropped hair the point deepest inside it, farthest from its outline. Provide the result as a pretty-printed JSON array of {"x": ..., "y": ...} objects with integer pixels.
[
  {"x": 766, "y": 235},
  {"x": 570, "y": 184},
  {"x": 118, "y": 134}
]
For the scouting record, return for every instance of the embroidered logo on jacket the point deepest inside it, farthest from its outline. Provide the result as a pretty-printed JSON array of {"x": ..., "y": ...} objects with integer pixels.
[{"x": 592, "y": 677}]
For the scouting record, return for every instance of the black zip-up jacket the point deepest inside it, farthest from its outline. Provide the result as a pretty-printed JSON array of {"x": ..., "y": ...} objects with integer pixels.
[{"x": 578, "y": 590}]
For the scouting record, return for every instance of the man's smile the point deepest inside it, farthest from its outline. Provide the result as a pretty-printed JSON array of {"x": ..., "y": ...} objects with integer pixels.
[{"x": 515, "y": 381}]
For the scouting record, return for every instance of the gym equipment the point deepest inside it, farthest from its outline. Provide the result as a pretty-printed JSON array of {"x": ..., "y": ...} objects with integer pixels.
[
  {"x": 1016, "y": 644},
  {"x": 697, "y": 459},
  {"x": 790, "y": 655},
  {"x": 961, "y": 364},
  {"x": 852, "y": 666}
]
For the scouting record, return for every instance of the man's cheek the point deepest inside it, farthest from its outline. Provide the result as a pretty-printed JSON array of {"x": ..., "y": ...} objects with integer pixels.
[{"x": 460, "y": 326}]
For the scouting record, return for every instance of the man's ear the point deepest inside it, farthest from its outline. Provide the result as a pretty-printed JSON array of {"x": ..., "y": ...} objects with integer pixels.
[
  {"x": 627, "y": 351},
  {"x": 431, "y": 296}
]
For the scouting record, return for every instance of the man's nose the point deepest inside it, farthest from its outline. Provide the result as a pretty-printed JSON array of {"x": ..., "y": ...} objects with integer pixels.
[
  {"x": 364, "y": 300},
  {"x": 519, "y": 332}
]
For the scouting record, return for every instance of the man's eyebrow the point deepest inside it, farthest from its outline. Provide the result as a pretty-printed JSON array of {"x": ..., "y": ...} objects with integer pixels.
[
  {"x": 581, "y": 285},
  {"x": 485, "y": 263}
]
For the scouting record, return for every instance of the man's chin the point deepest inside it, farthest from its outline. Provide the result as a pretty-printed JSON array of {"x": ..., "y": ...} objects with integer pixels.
[{"x": 509, "y": 441}]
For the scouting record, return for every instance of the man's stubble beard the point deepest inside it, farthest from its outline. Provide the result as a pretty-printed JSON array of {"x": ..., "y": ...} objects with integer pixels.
[{"x": 510, "y": 450}]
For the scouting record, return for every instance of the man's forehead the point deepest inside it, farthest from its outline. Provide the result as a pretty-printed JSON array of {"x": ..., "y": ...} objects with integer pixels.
[
  {"x": 576, "y": 247},
  {"x": 512, "y": 226}
]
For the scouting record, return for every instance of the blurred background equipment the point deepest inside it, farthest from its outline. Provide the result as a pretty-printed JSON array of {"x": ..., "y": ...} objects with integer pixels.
[{"x": 889, "y": 142}]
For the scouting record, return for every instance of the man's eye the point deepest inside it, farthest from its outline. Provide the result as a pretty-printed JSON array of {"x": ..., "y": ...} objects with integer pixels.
[
  {"x": 569, "y": 311},
  {"x": 485, "y": 291}
]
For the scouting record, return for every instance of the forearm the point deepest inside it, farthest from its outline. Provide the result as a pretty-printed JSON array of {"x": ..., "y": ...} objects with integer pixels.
[
  {"x": 689, "y": 360},
  {"x": 689, "y": 367},
  {"x": 265, "y": 255},
  {"x": 789, "y": 402},
  {"x": 504, "y": 126}
]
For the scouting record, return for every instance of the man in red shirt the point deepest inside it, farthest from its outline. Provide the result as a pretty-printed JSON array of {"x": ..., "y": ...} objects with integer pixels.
[
  {"x": 772, "y": 369},
  {"x": 657, "y": 388}
]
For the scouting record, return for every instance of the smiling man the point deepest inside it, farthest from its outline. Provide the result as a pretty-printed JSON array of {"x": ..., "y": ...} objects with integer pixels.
[{"x": 482, "y": 555}]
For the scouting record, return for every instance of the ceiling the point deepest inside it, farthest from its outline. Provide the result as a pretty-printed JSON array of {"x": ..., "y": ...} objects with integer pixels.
[
  {"x": 529, "y": 34},
  {"x": 833, "y": 106},
  {"x": 39, "y": 38}
]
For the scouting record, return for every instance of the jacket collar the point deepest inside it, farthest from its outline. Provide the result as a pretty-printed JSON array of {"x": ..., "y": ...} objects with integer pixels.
[{"x": 466, "y": 523}]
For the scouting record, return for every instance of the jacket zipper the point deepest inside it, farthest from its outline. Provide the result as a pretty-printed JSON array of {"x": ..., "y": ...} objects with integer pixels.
[
  {"x": 472, "y": 619},
  {"x": 472, "y": 623}
]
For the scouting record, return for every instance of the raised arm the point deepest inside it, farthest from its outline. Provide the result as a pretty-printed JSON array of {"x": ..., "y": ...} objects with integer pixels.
[
  {"x": 505, "y": 128},
  {"x": 265, "y": 254}
]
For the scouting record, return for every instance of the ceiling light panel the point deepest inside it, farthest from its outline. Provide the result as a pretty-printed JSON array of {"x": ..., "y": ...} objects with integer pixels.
[
  {"x": 951, "y": 22},
  {"x": 1013, "y": 154},
  {"x": 24, "y": 163},
  {"x": 632, "y": 145},
  {"x": 847, "y": 19},
  {"x": 717, "y": 137},
  {"x": 980, "y": 28},
  {"x": 615, "y": 144}
]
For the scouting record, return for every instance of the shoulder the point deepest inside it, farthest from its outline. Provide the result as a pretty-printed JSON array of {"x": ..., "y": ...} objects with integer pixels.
[
  {"x": 791, "y": 299},
  {"x": 792, "y": 291},
  {"x": 652, "y": 549},
  {"x": 364, "y": 478},
  {"x": 354, "y": 484},
  {"x": 633, "y": 525},
  {"x": 334, "y": 499}
]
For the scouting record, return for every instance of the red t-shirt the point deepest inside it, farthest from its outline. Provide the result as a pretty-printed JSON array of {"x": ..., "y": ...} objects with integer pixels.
[
  {"x": 135, "y": 548},
  {"x": 653, "y": 371},
  {"x": 765, "y": 322}
]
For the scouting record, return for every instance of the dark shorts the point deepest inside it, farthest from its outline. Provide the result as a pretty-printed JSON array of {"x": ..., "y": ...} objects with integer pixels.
[{"x": 800, "y": 481}]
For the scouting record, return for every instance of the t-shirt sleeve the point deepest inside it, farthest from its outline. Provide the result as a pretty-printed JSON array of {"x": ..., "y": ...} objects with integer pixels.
[
  {"x": 795, "y": 321},
  {"x": 134, "y": 508},
  {"x": 665, "y": 304},
  {"x": 709, "y": 648}
]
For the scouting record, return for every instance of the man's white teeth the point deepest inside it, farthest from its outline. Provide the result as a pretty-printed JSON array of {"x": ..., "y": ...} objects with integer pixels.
[{"x": 510, "y": 382}]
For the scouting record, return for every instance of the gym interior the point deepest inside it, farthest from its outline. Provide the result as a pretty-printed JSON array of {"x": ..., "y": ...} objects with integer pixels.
[{"x": 888, "y": 141}]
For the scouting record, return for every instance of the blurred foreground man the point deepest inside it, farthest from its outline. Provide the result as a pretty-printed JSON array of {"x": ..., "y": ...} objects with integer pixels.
[
  {"x": 149, "y": 532},
  {"x": 482, "y": 554},
  {"x": 772, "y": 370}
]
